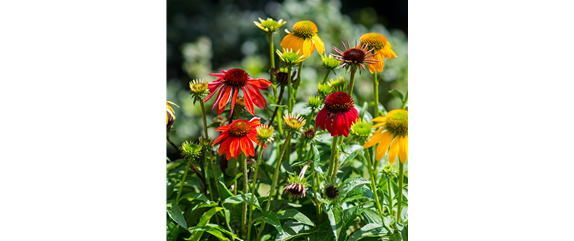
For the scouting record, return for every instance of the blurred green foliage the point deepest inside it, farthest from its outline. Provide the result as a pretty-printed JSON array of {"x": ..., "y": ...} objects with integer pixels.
[{"x": 228, "y": 38}]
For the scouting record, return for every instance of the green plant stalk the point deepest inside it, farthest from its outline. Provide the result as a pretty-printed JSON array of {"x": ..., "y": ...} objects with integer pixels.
[
  {"x": 373, "y": 182},
  {"x": 271, "y": 55},
  {"x": 337, "y": 163},
  {"x": 376, "y": 93},
  {"x": 391, "y": 211},
  {"x": 297, "y": 82},
  {"x": 253, "y": 196},
  {"x": 289, "y": 90},
  {"x": 400, "y": 191},
  {"x": 274, "y": 183},
  {"x": 245, "y": 190},
  {"x": 352, "y": 81},
  {"x": 235, "y": 173},
  {"x": 405, "y": 101},
  {"x": 210, "y": 154},
  {"x": 326, "y": 77},
  {"x": 315, "y": 186},
  {"x": 209, "y": 183},
  {"x": 332, "y": 158},
  {"x": 183, "y": 180}
]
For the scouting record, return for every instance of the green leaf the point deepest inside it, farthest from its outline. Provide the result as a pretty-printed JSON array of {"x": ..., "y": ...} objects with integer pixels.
[
  {"x": 352, "y": 183},
  {"x": 294, "y": 214},
  {"x": 190, "y": 196},
  {"x": 242, "y": 198},
  {"x": 404, "y": 213},
  {"x": 169, "y": 188},
  {"x": 317, "y": 160},
  {"x": 349, "y": 216},
  {"x": 371, "y": 216},
  {"x": 270, "y": 218},
  {"x": 358, "y": 194},
  {"x": 172, "y": 230},
  {"x": 369, "y": 230},
  {"x": 293, "y": 229},
  {"x": 196, "y": 235},
  {"x": 397, "y": 94},
  {"x": 334, "y": 213},
  {"x": 223, "y": 191},
  {"x": 216, "y": 233},
  {"x": 175, "y": 213},
  {"x": 275, "y": 105},
  {"x": 349, "y": 154},
  {"x": 363, "y": 109},
  {"x": 323, "y": 233}
]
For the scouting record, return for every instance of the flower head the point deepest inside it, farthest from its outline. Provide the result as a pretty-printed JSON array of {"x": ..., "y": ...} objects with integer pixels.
[
  {"x": 331, "y": 191},
  {"x": 297, "y": 184},
  {"x": 309, "y": 134},
  {"x": 338, "y": 114},
  {"x": 294, "y": 122},
  {"x": 380, "y": 45},
  {"x": 235, "y": 80},
  {"x": 237, "y": 137},
  {"x": 324, "y": 90},
  {"x": 205, "y": 141},
  {"x": 339, "y": 84},
  {"x": 355, "y": 57},
  {"x": 170, "y": 114},
  {"x": 394, "y": 136},
  {"x": 265, "y": 133},
  {"x": 315, "y": 102},
  {"x": 304, "y": 38},
  {"x": 269, "y": 25},
  {"x": 190, "y": 150},
  {"x": 289, "y": 57},
  {"x": 362, "y": 130},
  {"x": 198, "y": 89},
  {"x": 330, "y": 63},
  {"x": 282, "y": 75},
  {"x": 222, "y": 120}
]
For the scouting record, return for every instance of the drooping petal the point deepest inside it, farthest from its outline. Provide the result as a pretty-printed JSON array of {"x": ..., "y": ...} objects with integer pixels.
[
  {"x": 374, "y": 139},
  {"x": 383, "y": 145},
  {"x": 319, "y": 44},
  {"x": 394, "y": 150},
  {"x": 261, "y": 84},
  {"x": 380, "y": 119},
  {"x": 290, "y": 41},
  {"x": 378, "y": 125},
  {"x": 224, "y": 147},
  {"x": 308, "y": 47},
  {"x": 257, "y": 97},
  {"x": 220, "y": 137},
  {"x": 320, "y": 118},
  {"x": 403, "y": 152},
  {"x": 224, "y": 99},
  {"x": 235, "y": 147},
  {"x": 234, "y": 98},
  {"x": 219, "y": 95},
  {"x": 248, "y": 102}
]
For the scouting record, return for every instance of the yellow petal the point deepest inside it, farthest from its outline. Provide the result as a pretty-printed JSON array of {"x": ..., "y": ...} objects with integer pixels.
[
  {"x": 319, "y": 44},
  {"x": 291, "y": 42},
  {"x": 394, "y": 150},
  {"x": 380, "y": 119},
  {"x": 383, "y": 145},
  {"x": 308, "y": 48},
  {"x": 374, "y": 139},
  {"x": 378, "y": 125},
  {"x": 403, "y": 150}
]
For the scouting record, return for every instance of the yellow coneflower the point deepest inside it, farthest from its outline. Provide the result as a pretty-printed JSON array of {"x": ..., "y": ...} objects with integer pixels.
[
  {"x": 294, "y": 122},
  {"x": 379, "y": 43},
  {"x": 304, "y": 38},
  {"x": 393, "y": 135}
]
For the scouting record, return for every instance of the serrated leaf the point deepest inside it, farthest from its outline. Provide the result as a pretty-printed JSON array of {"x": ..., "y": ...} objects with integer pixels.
[
  {"x": 369, "y": 230},
  {"x": 176, "y": 214},
  {"x": 242, "y": 198},
  {"x": 295, "y": 214},
  {"x": 397, "y": 94}
]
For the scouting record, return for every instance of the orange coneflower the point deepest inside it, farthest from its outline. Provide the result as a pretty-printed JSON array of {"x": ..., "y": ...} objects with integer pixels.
[
  {"x": 304, "y": 38},
  {"x": 379, "y": 43}
]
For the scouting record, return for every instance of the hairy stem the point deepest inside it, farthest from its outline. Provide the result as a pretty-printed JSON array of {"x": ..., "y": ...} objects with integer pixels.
[
  {"x": 400, "y": 191},
  {"x": 352, "y": 81},
  {"x": 376, "y": 93},
  {"x": 182, "y": 180},
  {"x": 253, "y": 195},
  {"x": 373, "y": 182},
  {"x": 332, "y": 158}
]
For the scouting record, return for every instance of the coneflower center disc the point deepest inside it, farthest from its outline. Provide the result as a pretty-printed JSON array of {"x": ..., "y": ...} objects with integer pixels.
[
  {"x": 304, "y": 29},
  {"x": 354, "y": 56},
  {"x": 374, "y": 40},
  {"x": 338, "y": 102},
  {"x": 236, "y": 77},
  {"x": 239, "y": 128},
  {"x": 270, "y": 24},
  {"x": 397, "y": 122}
]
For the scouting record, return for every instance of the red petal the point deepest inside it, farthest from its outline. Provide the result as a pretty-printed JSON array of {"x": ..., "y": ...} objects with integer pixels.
[
  {"x": 261, "y": 84},
  {"x": 211, "y": 94},
  {"x": 224, "y": 147},
  {"x": 236, "y": 91},
  {"x": 255, "y": 121},
  {"x": 220, "y": 137},
  {"x": 247, "y": 101},
  {"x": 224, "y": 99},
  {"x": 259, "y": 100},
  {"x": 218, "y": 96}
]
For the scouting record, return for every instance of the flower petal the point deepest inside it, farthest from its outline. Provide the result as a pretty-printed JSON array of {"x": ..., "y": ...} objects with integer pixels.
[
  {"x": 234, "y": 98},
  {"x": 394, "y": 150},
  {"x": 374, "y": 139},
  {"x": 383, "y": 145},
  {"x": 403, "y": 149},
  {"x": 319, "y": 44},
  {"x": 308, "y": 47},
  {"x": 248, "y": 102}
]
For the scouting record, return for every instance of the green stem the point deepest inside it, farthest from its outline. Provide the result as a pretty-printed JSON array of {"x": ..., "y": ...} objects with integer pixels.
[
  {"x": 332, "y": 158},
  {"x": 373, "y": 182},
  {"x": 326, "y": 76},
  {"x": 245, "y": 190},
  {"x": 235, "y": 173},
  {"x": 297, "y": 82},
  {"x": 337, "y": 163},
  {"x": 214, "y": 175},
  {"x": 271, "y": 53},
  {"x": 205, "y": 168},
  {"x": 289, "y": 90},
  {"x": 400, "y": 191},
  {"x": 352, "y": 81},
  {"x": 274, "y": 183},
  {"x": 316, "y": 184},
  {"x": 204, "y": 119},
  {"x": 391, "y": 211},
  {"x": 405, "y": 101},
  {"x": 253, "y": 195},
  {"x": 183, "y": 180},
  {"x": 376, "y": 92},
  {"x": 209, "y": 151}
]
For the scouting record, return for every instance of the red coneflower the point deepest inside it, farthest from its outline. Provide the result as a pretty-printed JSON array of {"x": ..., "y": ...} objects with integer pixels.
[
  {"x": 338, "y": 114},
  {"x": 356, "y": 56},
  {"x": 237, "y": 137},
  {"x": 235, "y": 80}
]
